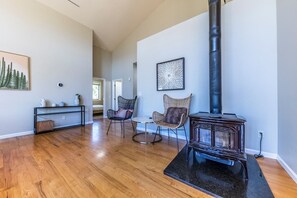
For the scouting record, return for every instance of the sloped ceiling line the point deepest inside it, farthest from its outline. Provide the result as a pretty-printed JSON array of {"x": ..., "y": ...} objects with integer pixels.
[
  {"x": 111, "y": 20},
  {"x": 73, "y": 3}
]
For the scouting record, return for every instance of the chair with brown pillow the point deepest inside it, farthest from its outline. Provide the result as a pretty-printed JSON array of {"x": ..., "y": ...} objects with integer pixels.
[
  {"x": 175, "y": 115},
  {"x": 124, "y": 112}
]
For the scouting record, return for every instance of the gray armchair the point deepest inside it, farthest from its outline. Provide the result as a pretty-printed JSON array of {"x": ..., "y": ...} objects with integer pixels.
[{"x": 124, "y": 112}]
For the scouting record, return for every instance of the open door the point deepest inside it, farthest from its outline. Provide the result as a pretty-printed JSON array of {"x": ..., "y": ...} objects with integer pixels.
[
  {"x": 134, "y": 79},
  {"x": 99, "y": 93},
  {"x": 117, "y": 91}
]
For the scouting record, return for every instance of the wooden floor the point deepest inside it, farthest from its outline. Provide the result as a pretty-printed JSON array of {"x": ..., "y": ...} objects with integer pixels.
[{"x": 84, "y": 162}]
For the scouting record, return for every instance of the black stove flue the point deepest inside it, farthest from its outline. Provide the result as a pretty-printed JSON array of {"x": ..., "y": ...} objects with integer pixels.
[
  {"x": 215, "y": 82},
  {"x": 217, "y": 136}
]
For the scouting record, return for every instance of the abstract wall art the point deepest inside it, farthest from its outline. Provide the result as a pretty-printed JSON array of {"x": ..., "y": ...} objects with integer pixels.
[{"x": 171, "y": 75}]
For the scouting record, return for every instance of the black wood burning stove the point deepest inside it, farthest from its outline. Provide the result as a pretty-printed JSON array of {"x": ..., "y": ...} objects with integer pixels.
[
  {"x": 219, "y": 137},
  {"x": 216, "y": 135}
]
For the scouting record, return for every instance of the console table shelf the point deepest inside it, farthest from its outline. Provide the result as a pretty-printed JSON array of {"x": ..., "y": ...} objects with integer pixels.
[{"x": 59, "y": 110}]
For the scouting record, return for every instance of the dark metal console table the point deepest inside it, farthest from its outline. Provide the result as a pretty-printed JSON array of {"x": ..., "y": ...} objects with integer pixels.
[{"x": 42, "y": 111}]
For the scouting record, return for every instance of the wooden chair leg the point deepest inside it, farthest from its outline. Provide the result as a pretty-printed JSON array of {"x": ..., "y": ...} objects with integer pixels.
[
  {"x": 158, "y": 129},
  {"x": 134, "y": 129},
  {"x": 168, "y": 133},
  {"x": 108, "y": 127},
  {"x": 123, "y": 128}
]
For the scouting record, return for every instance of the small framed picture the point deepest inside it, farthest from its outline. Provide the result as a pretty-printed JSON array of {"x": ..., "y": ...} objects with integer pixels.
[{"x": 171, "y": 75}]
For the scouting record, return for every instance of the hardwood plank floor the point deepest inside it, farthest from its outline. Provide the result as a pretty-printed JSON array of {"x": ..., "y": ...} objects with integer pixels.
[{"x": 85, "y": 162}]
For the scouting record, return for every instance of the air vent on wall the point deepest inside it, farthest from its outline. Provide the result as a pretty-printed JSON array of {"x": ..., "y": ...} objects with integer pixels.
[{"x": 73, "y": 3}]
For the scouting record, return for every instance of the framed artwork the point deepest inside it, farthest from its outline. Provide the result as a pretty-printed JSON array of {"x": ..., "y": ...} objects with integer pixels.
[
  {"x": 14, "y": 71},
  {"x": 171, "y": 75}
]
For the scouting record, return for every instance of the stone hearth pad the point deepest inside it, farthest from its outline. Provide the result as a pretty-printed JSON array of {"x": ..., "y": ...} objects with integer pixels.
[{"x": 218, "y": 179}]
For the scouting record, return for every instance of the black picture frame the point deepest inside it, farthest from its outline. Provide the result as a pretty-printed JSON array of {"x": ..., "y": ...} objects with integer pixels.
[{"x": 171, "y": 75}]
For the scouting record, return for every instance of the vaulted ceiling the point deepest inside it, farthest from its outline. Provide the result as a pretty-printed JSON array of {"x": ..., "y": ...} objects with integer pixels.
[{"x": 111, "y": 20}]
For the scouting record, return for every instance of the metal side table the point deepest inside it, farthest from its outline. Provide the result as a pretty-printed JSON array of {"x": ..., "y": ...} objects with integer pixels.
[{"x": 145, "y": 137}]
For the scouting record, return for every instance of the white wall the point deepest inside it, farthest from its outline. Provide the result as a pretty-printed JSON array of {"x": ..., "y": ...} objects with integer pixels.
[
  {"x": 287, "y": 81},
  {"x": 101, "y": 63},
  {"x": 170, "y": 44},
  {"x": 102, "y": 68},
  {"x": 249, "y": 66},
  {"x": 169, "y": 13},
  {"x": 60, "y": 50}
]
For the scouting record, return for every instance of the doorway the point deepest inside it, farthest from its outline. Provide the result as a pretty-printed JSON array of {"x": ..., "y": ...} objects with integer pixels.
[
  {"x": 134, "y": 79},
  {"x": 99, "y": 94},
  {"x": 117, "y": 91}
]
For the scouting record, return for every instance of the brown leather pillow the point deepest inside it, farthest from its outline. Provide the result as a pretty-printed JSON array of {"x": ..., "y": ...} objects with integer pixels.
[{"x": 174, "y": 114}]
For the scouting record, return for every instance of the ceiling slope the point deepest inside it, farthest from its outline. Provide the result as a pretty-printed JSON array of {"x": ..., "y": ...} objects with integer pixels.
[{"x": 111, "y": 20}]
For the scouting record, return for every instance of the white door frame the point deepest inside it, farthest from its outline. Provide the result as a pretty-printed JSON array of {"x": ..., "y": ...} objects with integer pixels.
[{"x": 114, "y": 96}]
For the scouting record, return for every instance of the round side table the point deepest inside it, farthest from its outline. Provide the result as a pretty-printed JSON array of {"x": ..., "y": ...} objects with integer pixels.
[{"x": 145, "y": 137}]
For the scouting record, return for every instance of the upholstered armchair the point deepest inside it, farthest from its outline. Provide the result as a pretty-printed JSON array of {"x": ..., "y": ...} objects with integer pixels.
[
  {"x": 124, "y": 112},
  {"x": 176, "y": 112}
]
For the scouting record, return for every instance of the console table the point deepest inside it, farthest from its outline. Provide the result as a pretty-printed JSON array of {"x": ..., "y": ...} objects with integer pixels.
[{"x": 42, "y": 111}]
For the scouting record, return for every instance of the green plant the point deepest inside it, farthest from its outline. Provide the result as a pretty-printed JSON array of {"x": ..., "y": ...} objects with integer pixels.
[
  {"x": 8, "y": 76},
  {"x": 5, "y": 75},
  {"x": 11, "y": 78},
  {"x": 2, "y": 75}
]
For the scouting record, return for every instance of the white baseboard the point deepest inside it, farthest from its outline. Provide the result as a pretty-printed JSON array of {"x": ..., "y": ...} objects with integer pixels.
[
  {"x": 12, "y": 135},
  {"x": 16, "y": 134},
  {"x": 287, "y": 168},
  {"x": 265, "y": 154}
]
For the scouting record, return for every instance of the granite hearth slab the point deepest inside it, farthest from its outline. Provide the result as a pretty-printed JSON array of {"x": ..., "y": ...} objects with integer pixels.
[{"x": 218, "y": 179}]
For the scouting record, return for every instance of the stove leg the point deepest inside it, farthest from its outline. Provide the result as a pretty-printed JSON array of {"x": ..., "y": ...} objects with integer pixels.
[
  {"x": 188, "y": 153},
  {"x": 244, "y": 166}
]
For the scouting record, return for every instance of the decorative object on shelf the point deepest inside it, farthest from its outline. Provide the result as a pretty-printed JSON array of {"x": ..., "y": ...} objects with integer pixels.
[
  {"x": 43, "y": 103},
  {"x": 171, "y": 75},
  {"x": 77, "y": 99},
  {"x": 14, "y": 71},
  {"x": 61, "y": 104},
  {"x": 54, "y": 104}
]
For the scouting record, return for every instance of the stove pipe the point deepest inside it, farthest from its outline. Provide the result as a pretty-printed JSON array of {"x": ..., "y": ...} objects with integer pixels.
[{"x": 215, "y": 81}]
